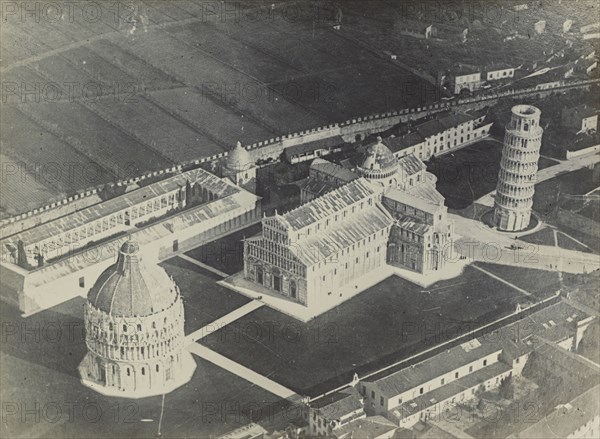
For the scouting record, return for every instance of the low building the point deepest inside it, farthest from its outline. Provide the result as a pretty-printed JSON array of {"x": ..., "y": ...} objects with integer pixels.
[
  {"x": 424, "y": 390},
  {"x": 313, "y": 149},
  {"x": 581, "y": 119},
  {"x": 440, "y": 135},
  {"x": 464, "y": 78},
  {"x": 496, "y": 72},
  {"x": 373, "y": 427},
  {"x": 250, "y": 431},
  {"x": 415, "y": 29},
  {"x": 334, "y": 413},
  {"x": 579, "y": 418},
  {"x": 323, "y": 177}
]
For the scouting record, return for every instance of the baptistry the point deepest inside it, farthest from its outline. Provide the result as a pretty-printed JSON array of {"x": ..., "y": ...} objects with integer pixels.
[
  {"x": 518, "y": 169},
  {"x": 134, "y": 330}
]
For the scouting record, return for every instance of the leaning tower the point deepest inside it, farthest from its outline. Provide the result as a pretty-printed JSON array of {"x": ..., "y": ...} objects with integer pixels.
[{"x": 518, "y": 168}]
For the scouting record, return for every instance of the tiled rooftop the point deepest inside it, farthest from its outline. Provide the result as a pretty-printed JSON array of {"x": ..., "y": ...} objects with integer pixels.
[
  {"x": 101, "y": 210},
  {"x": 410, "y": 164},
  {"x": 332, "y": 169},
  {"x": 339, "y": 404},
  {"x": 351, "y": 230},
  {"x": 328, "y": 204},
  {"x": 396, "y": 144}
]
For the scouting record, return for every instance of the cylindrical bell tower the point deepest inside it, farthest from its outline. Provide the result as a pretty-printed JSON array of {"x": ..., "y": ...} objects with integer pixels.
[{"x": 518, "y": 169}]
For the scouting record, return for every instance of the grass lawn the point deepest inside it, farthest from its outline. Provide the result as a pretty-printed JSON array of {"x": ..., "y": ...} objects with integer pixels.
[
  {"x": 467, "y": 174},
  {"x": 205, "y": 301},
  {"x": 540, "y": 283},
  {"x": 563, "y": 192},
  {"x": 43, "y": 378},
  {"x": 227, "y": 253},
  {"x": 591, "y": 210},
  {"x": 568, "y": 243},
  {"x": 560, "y": 189},
  {"x": 544, "y": 236},
  {"x": 386, "y": 323}
]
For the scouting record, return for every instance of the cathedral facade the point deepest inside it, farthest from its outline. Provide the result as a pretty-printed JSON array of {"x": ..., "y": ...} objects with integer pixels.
[
  {"x": 353, "y": 220},
  {"x": 134, "y": 331}
]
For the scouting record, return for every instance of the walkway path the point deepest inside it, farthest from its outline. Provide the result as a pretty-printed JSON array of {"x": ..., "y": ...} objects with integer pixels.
[
  {"x": 203, "y": 265},
  {"x": 521, "y": 290},
  {"x": 223, "y": 321},
  {"x": 244, "y": 372},
  {"x": 481, "y": 243}
]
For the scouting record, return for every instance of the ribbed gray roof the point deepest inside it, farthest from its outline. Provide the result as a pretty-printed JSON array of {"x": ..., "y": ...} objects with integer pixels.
[{"x": 130, "y": 289}]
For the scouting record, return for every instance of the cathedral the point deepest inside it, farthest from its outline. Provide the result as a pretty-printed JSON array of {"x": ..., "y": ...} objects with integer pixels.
[
  {"x": 134, "y": 330},
  {"x": 354, "y": 219}
]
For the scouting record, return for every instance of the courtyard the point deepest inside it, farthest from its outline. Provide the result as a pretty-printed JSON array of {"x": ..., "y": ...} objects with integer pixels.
[{"x": 388, "y": 322}]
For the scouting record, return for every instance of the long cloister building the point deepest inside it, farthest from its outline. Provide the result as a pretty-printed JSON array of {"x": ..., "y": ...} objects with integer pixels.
[
  {"x": 55, "y": 255},
  {"x": 384, "y": 210}
]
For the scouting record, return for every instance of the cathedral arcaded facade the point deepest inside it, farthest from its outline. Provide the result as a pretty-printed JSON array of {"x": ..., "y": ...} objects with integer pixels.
[
  {"x": 355, "y": 219},
  {"x": 134, "y": 330}
]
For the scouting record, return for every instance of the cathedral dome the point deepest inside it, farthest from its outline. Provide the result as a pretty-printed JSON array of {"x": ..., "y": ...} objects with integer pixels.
[
  {"x": 129, "y": 289},
  {"x": 239, "y": 159},
  {"x": 378, "y": 161}
]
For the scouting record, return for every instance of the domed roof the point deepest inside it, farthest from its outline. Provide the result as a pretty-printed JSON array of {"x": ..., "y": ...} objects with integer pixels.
[
  {"x": 378, "y": 157},
  {"x": 239, "y": 158},
  {"x": 129, "y": 288}
]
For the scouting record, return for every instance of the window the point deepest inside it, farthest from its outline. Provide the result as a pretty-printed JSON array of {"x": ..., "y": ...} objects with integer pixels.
[
  {"x": 456, "y": 375},
  {"x": 470, "y": 368},
  {"x": 372, "y": 394},
  {"x": 381, "y": 400},
  {"x": 128, "y": 372},
  {"x": 124, "y": 328},
  {"x": 485, "y": 362},
  {"x": 81, "y": 282},
  {"x": 139, "y": 327},
  {"x": 517, "y": 360},
  {"x": 443, "y": 381},
  {"x": 421, "y": 391},
  {"x": 143, "y": 371}
]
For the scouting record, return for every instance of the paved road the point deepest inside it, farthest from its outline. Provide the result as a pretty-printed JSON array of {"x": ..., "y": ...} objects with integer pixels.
[{"x": 481, "y": 243}]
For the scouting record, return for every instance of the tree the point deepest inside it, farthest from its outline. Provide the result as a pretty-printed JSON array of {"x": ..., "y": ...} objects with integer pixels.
[
  {"x": 21, "y": 255},
  {"x": 506, "y": 388}
]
